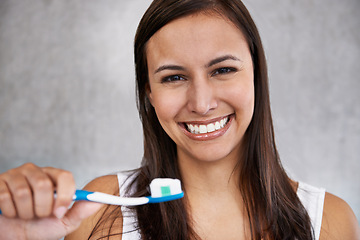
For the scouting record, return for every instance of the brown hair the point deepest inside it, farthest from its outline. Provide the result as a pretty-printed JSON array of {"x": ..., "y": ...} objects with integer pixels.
[{"x": 273, "y": 208}]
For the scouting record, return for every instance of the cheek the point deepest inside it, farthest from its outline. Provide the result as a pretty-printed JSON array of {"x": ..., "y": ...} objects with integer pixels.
[
  {"x": 249, "y": 97},
  {"x": 166, "y": 104},
  {"x": 242, "y": 98}
]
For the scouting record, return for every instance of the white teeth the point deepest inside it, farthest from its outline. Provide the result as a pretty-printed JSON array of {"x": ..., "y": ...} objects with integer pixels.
[
  {"x": 203, "y": 129},
  {"x": 211, "y": 127},
  {"x": 196, "y": 129},
  {"x": 191, "y": 127}
]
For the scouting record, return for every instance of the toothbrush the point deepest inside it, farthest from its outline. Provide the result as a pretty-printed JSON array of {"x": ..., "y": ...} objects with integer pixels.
[{"x": 162, "y": 190}]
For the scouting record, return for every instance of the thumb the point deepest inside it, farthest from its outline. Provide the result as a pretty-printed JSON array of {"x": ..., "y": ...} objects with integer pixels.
[{"x": 79, "y": 212}]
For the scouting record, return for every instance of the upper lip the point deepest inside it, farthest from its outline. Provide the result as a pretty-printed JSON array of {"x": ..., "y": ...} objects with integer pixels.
[{"x": 205, "y": 122}]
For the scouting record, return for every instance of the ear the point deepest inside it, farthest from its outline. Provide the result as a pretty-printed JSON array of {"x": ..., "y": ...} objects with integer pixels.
[{"x": 148, "y": 92}]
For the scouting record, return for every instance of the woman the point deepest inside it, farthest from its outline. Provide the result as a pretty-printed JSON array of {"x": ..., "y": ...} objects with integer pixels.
[{"x": 204, "y": 103}]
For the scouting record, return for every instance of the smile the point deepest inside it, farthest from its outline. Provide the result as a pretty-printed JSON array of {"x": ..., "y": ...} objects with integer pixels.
[{"x": 207, "y": 128}]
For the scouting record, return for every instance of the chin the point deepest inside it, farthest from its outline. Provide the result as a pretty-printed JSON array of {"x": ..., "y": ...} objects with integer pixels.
[{"x": 212, "y": 157}]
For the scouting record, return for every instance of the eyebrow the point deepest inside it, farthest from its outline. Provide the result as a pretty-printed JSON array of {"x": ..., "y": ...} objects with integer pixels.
[
  {"x": 222, "y": 59},
  {"x": 169, "y": 67},
  {"x": 211, "y": 63}
]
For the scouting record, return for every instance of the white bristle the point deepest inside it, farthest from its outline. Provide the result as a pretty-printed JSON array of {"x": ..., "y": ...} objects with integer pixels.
[{"x": 158, "y": 184}]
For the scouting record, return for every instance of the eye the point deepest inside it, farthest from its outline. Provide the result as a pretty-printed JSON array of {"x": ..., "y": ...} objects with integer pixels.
[
  {"x": 224, "y": 70},
  {"x": 172, "y": 78}
]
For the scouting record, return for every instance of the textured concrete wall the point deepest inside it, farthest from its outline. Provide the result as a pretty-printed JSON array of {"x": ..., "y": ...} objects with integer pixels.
[{"x": 67, "y": 87}]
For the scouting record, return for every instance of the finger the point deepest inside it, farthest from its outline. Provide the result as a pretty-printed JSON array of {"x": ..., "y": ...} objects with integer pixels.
[
  {"x": 6, "y": 203},
  {"x": 65, "y": 189},
  {"x": 79, "y": 212},
  {"x": 22, "y": 196},
  {"x": 43, "y": 192}
]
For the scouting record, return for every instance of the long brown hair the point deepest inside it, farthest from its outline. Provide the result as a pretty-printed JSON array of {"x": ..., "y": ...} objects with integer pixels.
[{"x": 273, "y": 208}]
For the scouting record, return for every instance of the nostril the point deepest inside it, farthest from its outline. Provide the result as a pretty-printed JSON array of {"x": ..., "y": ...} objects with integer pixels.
[{"x": 203, "y": 108}]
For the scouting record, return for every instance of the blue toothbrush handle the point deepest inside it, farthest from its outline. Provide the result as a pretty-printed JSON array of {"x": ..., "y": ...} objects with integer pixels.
[
  {"x": 165, "y": 198},
  {"x": 100, "y": 197},
  {"x": 79, "y": 195}
]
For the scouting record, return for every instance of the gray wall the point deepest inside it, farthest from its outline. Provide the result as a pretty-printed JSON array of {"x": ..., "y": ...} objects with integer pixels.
[{"x": 67, "y": 87}]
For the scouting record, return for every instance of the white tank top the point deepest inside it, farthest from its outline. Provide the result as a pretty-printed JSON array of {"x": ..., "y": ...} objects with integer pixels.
[{"x": 311, "y": 197}]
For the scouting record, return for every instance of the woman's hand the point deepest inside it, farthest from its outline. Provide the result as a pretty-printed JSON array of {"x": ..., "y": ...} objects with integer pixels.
[{"x": 29, "y": 209}]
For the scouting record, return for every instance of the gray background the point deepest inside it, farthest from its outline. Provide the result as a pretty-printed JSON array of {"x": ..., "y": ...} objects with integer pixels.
[{"x": 67, "y": 96}]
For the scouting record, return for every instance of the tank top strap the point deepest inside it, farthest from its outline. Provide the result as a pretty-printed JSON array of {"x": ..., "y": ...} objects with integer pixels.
[
  {"x": 312, "y": 199},
  {"x": 130, "y": 227}
]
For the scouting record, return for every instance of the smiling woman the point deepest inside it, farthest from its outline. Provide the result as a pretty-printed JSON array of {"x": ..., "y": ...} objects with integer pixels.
[
  {"x": 203, "y": 100},
  {"x": 208, "y": 84}
]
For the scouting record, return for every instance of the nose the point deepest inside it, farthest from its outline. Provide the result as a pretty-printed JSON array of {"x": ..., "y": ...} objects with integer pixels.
[{"x": 201, "y": 96}]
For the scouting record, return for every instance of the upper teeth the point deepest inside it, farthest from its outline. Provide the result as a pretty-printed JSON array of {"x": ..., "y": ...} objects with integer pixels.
[{"x": 211, "y": 127}]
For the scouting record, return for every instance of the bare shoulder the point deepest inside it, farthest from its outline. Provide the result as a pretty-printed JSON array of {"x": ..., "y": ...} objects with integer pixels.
[
  {"x": 106, "y": 184},
  {"x": 107, "y": 215},
  {"x": 339, "y": 221}
]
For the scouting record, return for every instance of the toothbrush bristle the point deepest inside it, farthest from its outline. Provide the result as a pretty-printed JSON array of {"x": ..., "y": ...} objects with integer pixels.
[
  {"x": 165, "y": 191},
  {"x": 162, "y": 187}
]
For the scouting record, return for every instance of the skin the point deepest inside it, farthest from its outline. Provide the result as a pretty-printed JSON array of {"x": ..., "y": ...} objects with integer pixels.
[
  {"x": 195, "y": 78},
  {"x": 29, "y": 209},
  {"x": 202, "y": 90},
  {"x": 201, "y": 93}
]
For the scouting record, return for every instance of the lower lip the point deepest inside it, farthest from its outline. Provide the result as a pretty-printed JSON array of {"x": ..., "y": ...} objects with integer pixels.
[{"x": 207, "y": 136}]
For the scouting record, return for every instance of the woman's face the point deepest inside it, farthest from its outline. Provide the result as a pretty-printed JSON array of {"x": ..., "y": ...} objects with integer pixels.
[{"x": 201, "y": 85}]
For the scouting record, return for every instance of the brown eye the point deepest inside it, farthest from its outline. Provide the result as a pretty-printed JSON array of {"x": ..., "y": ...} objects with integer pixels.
[
  {"x": 224, "y": 70},
  {"x": 172, "y": 78}
]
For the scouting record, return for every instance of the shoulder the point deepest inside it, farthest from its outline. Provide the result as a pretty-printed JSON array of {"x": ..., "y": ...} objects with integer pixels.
[
  {"x": 339, "y": 221},
  {"x": 106, "y": 184}
]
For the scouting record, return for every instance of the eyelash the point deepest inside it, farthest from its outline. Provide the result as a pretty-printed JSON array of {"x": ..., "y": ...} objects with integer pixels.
[
  {"x": 176, "y": 78},
  {"x": 169, "y": 79},
  {"x": 224, "y": 70}
]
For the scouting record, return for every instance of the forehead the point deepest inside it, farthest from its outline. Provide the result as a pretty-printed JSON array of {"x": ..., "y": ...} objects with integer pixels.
[{"x": 198, "y": 34}]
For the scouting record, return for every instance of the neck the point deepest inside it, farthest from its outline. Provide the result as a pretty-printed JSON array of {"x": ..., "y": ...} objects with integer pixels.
[
  {"x": 209, "y": 178},
  {"x": 212, "y": 196}
]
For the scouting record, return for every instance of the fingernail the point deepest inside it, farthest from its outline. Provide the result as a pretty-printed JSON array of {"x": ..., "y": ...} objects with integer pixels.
[{"x": 60, "y": 212}]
